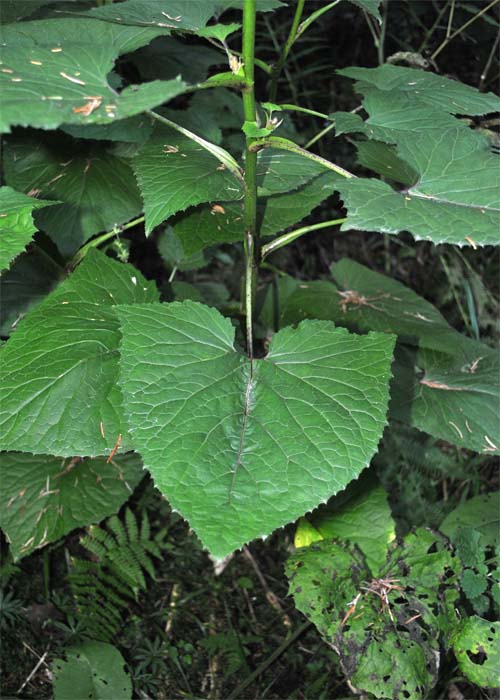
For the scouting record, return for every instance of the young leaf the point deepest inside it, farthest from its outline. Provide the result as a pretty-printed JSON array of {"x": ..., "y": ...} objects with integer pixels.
[
  {"x": 43, "y": 498},
  {"x": 91, "y": 670},
  {"x": 16, "y": 223},
  {"x": 478, "y": 651},
  {"x": 174, "y": 172},
  {"x": 97, "y": 189},
  {"x": 241, "y": 451},
  {"x": 59, "y": 369},
  {"x": 385, "y": 630},
  {"x": 56, "y": 72}
]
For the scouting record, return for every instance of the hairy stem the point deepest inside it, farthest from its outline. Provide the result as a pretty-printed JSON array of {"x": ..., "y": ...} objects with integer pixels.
[{"x": 250, "y": 200}]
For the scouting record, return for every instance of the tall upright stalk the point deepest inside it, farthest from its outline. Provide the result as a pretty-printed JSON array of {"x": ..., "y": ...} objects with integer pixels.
[{"x": 250, "y": 201}]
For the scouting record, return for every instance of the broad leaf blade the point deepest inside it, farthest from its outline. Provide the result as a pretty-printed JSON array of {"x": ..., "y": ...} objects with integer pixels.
[
  {"x": 97, "y": 189},
  {"x": 175, "y": 172},
  {"x": 311, "y": 415},
  {"x": 460, "y": 205},
  {"x": 481, "y": 513},
  {"x": 448, "y": 387},
  {"x": 91, "y": 670},
  {"x": 382, "y": 648},
  {"x": 478, "y": 652},
  {"x": 43, "y": 498},
  {"x": 59, "y": 369},
  {"x": 16, "y": 223},
  {"x": 436, "y": 91},
  {"x": 55, "y": 72},
  {"x": 453, "y": 397}
]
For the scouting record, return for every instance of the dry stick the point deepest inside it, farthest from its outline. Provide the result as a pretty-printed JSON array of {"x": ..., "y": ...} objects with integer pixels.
[
  {"x": 275, "y": 655},
  {"x": 271, "y": 597},
  {"x": 461, "y": 29},
  {"x": 41, "y": 660}
]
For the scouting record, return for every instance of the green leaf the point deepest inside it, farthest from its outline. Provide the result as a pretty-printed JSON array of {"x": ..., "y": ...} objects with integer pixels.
[
  {"x": 92, "y": 670},
  {"x": 382, "y": 159},
  {"x": 165, "y": 58},
  {"x": 59, "y": 369},
  {"x": 459, "y": 205},
  {"x": 448, "y": 388},
  {"x": 282, "y": 171},
  {"x": 174, "y": 172},
  {"x": 386, "y": 649},
  {"x": 360, "y": 515},
  {"x": 16, "y": 223},
  {"x": 434, "y": 90},
  {"x": 14, "y": 10},
  {"x": 181, "y": 15},
  {"x": 261, "y": 5},
  {"x": 56, "y": 72},
  {"x": 478, "y": 651},
  {"x": 365, "y": 300},
  {"x": 172, "y": 251},
  {"x": 211, "y": 430},
  {"x": 43, "y": 498},
  {"x": 133, "y": 130},
  {"x": 223, "y": 222},
  {"x": 482, "y": 513},
  {"x": 473, "y": 583},
  {"x": 32, "y": 276},
  {"x": 370, "y": 6},
  {"x": 97, "y": 188},
  {"x": 453, "y": 397}
]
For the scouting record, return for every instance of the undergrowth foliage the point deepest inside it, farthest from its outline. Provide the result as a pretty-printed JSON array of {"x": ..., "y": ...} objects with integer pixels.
[{"x": 260, "y": 405}]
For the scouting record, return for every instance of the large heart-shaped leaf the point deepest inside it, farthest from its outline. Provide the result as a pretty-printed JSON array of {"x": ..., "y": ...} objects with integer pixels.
[
  {"x": 239, "y": 448},
  {"x": 97, "y": 189},
  {"x": 44, "y": 498},
  {"x": 59, "y": 369},
  {"x": 55, "y": 71},
  {"x": 16, "y": 223}
]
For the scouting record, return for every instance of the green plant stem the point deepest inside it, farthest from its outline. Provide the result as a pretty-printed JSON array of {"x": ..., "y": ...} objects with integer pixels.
[
  {"x": 293, "y": 235},
  {"x": 320, "y": 135},
  {"x": 95, "y": 242},
  {"x": 461, "y": 29},
  {"x": 270, "y": 660},
  {"x": 250, "y": 199},
  {"x": 285, "y": 144},
  {"x": 316, "y": 15},
  {"x": 297, "y": 108},
  {"x": 273, "y": 90}
]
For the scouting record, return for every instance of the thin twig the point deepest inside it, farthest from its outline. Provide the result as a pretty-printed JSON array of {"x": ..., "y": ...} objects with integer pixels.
[
  {"x": 41, "y": 660},
  {"x": 461, "y": 29}
]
